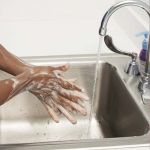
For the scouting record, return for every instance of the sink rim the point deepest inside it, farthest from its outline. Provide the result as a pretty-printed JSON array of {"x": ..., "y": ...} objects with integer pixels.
[{"x": 105, "y": 142}]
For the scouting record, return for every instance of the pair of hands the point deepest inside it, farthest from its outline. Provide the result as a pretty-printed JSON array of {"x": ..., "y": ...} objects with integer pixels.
[{"x": 57, "y": 94}]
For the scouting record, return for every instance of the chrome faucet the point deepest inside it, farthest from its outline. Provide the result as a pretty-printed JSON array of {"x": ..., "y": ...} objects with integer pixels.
[{"x": 132, "y": 68}]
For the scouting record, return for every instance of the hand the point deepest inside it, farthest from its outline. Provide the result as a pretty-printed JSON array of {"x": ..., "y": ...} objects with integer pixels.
[{"x": 58, "y": 95}]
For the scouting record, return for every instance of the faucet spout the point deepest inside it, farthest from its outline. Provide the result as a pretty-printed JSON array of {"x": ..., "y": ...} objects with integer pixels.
[
  {"x": 114, "y": 8},
  {"x": 145, "y": 79}
]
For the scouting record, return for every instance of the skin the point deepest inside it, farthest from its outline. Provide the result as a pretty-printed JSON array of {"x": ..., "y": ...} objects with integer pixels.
[{"x": 57, "y": 94}]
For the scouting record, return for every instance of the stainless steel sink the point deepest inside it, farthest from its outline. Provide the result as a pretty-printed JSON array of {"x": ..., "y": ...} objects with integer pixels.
[
  {"x": 116, "y": 111},
  {"x": 118, "y": 116}
]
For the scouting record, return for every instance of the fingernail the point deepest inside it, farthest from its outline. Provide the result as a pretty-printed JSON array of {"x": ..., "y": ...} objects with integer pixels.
[
  {"x": 57, "y": 121},
  {"x": 74, "y": 121},
  {"x": 85, "y": 113}
]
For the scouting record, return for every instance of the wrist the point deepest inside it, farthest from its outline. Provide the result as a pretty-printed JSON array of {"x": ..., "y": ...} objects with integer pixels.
[
  {"x": 25, "y": 68},
  {"x": 18, "y": 84},
  {"x": 11, "y": 63}
]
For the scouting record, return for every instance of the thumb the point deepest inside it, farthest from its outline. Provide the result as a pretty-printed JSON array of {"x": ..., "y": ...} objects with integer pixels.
[{"x": 62, "y": 68}]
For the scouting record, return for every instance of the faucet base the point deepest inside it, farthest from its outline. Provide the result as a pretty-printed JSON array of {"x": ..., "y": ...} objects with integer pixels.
[
  {"x": 132, "y": 68},
  {"x": 144, "y": 88}
]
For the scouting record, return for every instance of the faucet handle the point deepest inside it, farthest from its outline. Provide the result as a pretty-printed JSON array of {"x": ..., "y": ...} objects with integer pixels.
[
  {"x": 109, "y": 42},
  {"x": 132, "y": 68}
]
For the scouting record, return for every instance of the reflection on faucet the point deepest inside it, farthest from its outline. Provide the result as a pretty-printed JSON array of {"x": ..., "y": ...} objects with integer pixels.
[
  {"x": 144, "y": 84},
  {"x": 132, "y": 68}
]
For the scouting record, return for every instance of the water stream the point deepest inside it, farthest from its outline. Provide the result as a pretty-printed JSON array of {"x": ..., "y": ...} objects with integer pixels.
[{"x": 101, "y": 38}]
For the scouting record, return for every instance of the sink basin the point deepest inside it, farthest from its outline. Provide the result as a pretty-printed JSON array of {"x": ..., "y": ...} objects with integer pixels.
[{"x": 115, "y": 113}]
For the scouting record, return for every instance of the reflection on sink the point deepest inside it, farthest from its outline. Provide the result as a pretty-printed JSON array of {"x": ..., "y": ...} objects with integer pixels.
[{"x": 115, "y": 113}]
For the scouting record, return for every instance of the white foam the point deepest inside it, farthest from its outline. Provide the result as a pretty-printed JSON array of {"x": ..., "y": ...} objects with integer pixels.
[
  {"x": 15, "y": 82},
  {"x": 31, "y": 86},
  {"x": 40, "y": 84}
]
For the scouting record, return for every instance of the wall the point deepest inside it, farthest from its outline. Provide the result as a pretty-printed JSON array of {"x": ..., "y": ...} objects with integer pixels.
[
  {"x": 45, "y": 27},
  {"x": 133, "y": 20},
  {"x": 56, "y": 27}
]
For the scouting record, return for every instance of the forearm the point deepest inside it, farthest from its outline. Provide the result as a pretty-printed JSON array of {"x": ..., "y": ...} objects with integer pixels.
[
  {"x": 10, "y": 63},
  {"x": 13, "y": 86}
]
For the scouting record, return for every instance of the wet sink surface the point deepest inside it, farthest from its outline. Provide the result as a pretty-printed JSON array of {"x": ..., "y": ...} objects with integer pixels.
[{"x": 115, "y": 114}]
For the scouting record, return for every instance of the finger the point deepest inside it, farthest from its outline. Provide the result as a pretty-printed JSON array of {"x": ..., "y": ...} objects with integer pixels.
[
  {"x": 69, "y": 94},
  {"x": 45, "y": 97},
  {"x": 39, "y": 94},
  {"x": 51, "y": 112},
  {"x": 32, "y": 85},
  {"x": 66, "y": 114},
  {"x": 72, "y": 95},
  {"x": 62, "y": 109},
  {"x": 74, "y": 105},
  {"x": 52, "y": 81},
  {"x": 46, "y": 90},
  {"x": 81, "y": 103},
  {"x": 72, "y": 80},
  {"x": 66, "y": 84},
  {"x": 62, "y": 68},
  {"x": 57, "y": 99},
  {"x": 49, "y": 101},
  {"x": 49, "y": 109}
]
